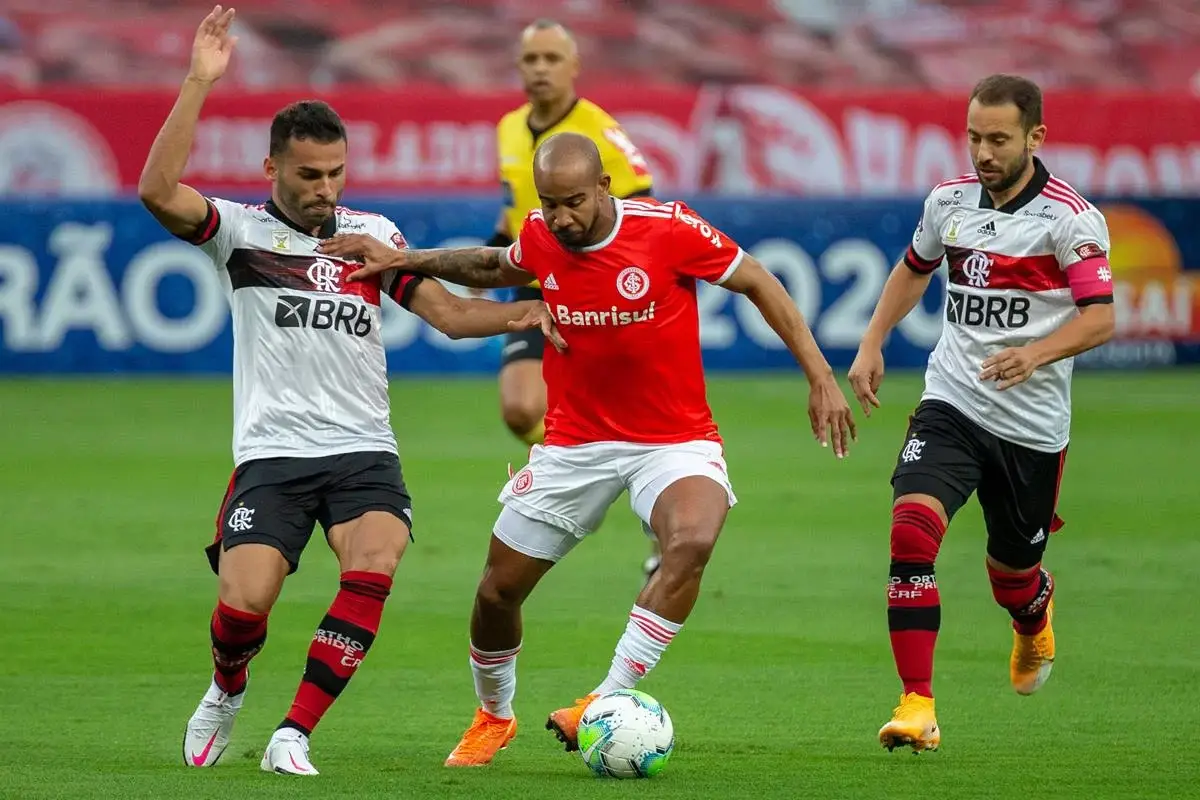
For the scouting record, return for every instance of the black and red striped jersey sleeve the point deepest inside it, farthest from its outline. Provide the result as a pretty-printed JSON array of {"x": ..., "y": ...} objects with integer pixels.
[{"x": 208, "y": 228}]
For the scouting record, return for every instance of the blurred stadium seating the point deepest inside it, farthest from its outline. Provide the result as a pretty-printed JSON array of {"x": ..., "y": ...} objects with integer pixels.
[{"x": 827, "y": 44}]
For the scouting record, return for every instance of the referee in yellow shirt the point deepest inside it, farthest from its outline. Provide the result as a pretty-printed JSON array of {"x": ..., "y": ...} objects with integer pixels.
[{"x": 549, "y": 65}]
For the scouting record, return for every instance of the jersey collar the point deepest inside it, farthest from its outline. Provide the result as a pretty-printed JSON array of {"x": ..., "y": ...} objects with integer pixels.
[
  {"x": 619, "y": 210},
  {"x": 1041, "y": 176},
  {"x": 328, "y": 229},
  {"x": 540, "y": 132}
]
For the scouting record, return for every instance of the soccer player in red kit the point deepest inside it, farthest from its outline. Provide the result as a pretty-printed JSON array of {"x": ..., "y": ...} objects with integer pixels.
[
  {"x": 627, "y": 410},
  {"x": 1030, "y": 288}
]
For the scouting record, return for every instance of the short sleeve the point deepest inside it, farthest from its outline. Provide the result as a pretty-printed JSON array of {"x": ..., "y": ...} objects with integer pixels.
[
  {"x": 926, "y": 250},
  {"x": 522, "y": 253},
  {"x": 700, "y": 250},
  {"x": 222, "y": 230},
  {"x": 398, "y": 285},
  {"x": 1081, "y": 246}
]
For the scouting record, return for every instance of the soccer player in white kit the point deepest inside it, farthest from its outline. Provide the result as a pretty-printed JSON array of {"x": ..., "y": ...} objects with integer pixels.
[
  {"x": 627, "y": 411},
  {"x": 312, "y": 439},
  {"x": 1030, "y": 288}
]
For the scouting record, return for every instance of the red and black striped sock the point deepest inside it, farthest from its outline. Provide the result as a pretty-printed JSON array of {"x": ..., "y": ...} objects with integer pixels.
[
  {"x": 914, "y": 605},
  {"x": 339, "y": 646},
  {"x": 1025, "y": 595},
  {"x": 237, "y": 636}
]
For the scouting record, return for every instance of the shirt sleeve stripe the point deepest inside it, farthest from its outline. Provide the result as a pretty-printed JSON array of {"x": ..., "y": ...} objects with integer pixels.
[
  {"x": 732, "y": 268},
  {"x": 208, "y": 229},
  {"x": 922, "y": 265}
]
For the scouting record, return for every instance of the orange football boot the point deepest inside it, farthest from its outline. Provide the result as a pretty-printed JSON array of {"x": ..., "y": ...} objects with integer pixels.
[
  {"x": 565, "y": 722},
  {"x": 1033, "y": 657},
  {"x": 913, "y": 724},
  {"x": 487, "y": 736}
]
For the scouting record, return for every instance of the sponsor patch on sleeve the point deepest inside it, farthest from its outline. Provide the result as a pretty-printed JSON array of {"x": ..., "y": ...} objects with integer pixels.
[{"x": 1089, "y": 250}]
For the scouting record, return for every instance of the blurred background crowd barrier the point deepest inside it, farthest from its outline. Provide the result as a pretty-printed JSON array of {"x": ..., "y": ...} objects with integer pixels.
[{"x": 809, "y": 130}]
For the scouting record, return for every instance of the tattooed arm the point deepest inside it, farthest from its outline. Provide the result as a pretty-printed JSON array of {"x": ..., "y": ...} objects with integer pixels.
[{"x": 481, "y": 267}]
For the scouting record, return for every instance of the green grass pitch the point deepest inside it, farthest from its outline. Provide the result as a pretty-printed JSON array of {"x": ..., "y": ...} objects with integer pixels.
[{"x": 777, "y": 685}]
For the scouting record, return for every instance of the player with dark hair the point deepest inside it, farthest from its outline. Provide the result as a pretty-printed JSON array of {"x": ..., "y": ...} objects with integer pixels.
[
  {"x": 312, "y": 439},
  {"x": 628, "y": 410},
  {"x": 548, "y": 62},
  {"x": 1030, "y": 288}
]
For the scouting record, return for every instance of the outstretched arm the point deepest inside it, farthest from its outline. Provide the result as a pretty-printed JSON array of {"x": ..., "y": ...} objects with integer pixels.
[
  {"x": 470, "y": 318},
  {"x": 482, "y": 267},
  {"x": 178, "y": 207},
  {"x": 828, "y": 410}
]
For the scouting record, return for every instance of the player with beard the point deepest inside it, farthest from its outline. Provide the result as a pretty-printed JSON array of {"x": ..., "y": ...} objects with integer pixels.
[
  {"x": 312, "y": 438},
  {"x": 628, "y": 411},
  {"x": 548, "y": 63},
  {"x": 1030, "y": 288}
]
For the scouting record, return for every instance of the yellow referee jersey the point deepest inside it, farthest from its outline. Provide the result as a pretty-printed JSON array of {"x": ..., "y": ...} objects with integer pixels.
[{"x": 516, "y": 143}]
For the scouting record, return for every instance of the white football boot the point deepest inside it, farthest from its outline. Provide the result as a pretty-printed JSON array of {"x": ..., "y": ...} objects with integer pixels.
[
  {"x": 209, "y": 729},
  {"x": 287, "y": 754}
]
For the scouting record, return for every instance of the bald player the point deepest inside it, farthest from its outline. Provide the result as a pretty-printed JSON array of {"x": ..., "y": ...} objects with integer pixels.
[
  {"x": 548, "y": 61},
  {"x": 628, "y": 411}
]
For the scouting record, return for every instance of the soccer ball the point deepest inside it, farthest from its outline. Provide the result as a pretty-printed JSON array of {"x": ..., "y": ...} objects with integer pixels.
[{"x": 626, "y": 734}]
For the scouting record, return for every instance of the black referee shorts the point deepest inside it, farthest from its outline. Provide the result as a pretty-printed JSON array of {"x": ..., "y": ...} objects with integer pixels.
[
  {"x": 276, "y": 501},
  {"x": 523, "y": 345},
  {"x": 948, "y": 456}
]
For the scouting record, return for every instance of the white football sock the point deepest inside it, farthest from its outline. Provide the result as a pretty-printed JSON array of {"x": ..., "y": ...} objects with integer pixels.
[
  {"x": 646, "y": 637},
  {"x": 495, "y": 676}
]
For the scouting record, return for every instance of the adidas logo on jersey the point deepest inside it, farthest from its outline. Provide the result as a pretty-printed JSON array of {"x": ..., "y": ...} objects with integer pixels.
[
  {"x": 550, "y": 283},
  {"x": 987, "y": 229}
]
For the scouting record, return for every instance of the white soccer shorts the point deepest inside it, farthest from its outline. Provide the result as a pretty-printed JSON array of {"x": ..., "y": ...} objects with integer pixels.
[{"x": 563, "y": 493}]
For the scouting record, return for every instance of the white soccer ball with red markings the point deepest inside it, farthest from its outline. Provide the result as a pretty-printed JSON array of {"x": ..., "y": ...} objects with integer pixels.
[{"x": 626, "y": 734}]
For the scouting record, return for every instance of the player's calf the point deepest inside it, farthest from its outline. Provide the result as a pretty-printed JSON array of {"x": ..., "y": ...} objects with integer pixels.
[
  {"x": 338, "y": 648},
  {"x": 1028, "y": 596},
  {"x": 913, "y": 602},
  {"x": 237, "y": 636}
]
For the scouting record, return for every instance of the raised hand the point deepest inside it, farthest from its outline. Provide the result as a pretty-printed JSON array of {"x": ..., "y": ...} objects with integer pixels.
[{"x": 213, "y": 46}]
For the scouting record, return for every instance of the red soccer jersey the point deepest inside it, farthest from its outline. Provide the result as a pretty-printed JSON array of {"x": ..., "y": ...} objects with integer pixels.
[{"x": 627, "y": 308}]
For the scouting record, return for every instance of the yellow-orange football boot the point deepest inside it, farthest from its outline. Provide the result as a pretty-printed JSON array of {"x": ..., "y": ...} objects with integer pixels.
[
  {"x": 487, "y": 736},
  {"x": 565, "y": 722},
  {"x": 913, "y": 724},
  {"x": 1033, "y": 657}
]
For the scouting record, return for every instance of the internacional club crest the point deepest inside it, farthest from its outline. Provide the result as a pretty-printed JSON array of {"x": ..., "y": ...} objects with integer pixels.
[
  {"x": 633, "y": 283},
  {"x": 522, "y": 481}
]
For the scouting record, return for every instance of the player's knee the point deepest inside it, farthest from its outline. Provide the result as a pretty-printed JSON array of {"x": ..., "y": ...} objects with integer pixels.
[
  {"x": 380, "y": 560},
  {"x": 497, "y": 594},
  {"x": 521, "y": 414},
  {"x": 917, "y": 531},
  {"x": 374, "y": 542},
  {"x": 254, "y": 597},
  {"x": 688, "y": 548},
  {"x": 250, "y": 576}
]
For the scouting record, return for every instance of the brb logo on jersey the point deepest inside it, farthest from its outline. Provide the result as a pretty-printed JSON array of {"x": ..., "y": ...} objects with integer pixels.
[
  {"x": 325, "y": 275},
  {"x": 994, "y": 311},
  {"x": 323, "y": 314},
  {"x": 633, "y": 283},
  {"x": 977, "y": 267}
]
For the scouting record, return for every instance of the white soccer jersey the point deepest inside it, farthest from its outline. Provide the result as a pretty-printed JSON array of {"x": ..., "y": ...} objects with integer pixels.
[
  {"x": 309, "y": 373},
  {"x": 1016, "y": 274}
]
